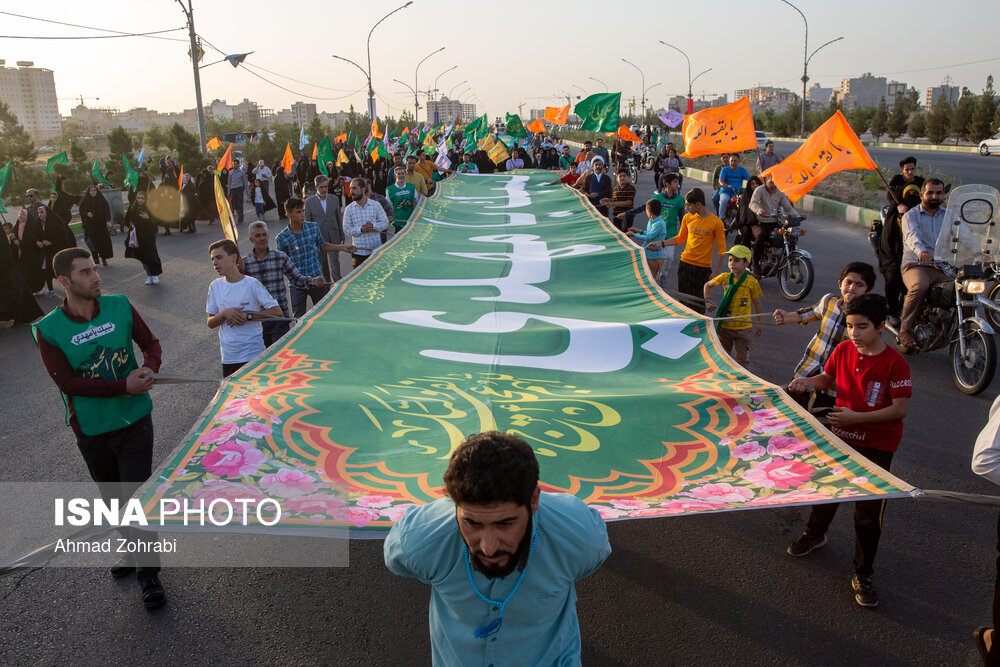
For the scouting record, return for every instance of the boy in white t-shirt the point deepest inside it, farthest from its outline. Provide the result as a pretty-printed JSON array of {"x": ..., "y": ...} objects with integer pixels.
[{"x": 241, "y": 338}]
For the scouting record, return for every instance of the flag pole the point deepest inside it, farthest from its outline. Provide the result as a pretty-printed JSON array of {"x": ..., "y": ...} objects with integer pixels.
[{"x": 891, "y": 192}]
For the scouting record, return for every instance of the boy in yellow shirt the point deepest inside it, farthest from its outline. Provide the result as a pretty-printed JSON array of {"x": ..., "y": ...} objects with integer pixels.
[{"x": 741, "y": 298}]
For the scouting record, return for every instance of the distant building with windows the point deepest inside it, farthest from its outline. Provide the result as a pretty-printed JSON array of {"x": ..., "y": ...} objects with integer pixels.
[
  {"x": 863, "y": 91},
  {"x": 818, "y": 97},
  {"x": 30, "y": 92},
  {"x": 943, "y": 92},
  {"x": 446, "y": 110}
]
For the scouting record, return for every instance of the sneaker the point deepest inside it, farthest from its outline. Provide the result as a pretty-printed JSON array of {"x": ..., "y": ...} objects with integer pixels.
[
  {"x": 105, "y": 262},
  {"x": 149, "y": 280},
  {"x": 123, "y": 567},
  {"x": 156, "y": 280},
  {"x": 864, "y": 594},
  {"x": 153, "y": 594},
  {"x": 806, "y": 544}
]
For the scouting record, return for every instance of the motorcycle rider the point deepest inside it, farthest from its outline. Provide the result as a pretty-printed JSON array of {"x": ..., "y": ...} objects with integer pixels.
[
  {"x": 921, "y": 227},
  {"x": 907, "y": 176},
  {"x": 766, "y": 202},
  {"x": 890, "y": 252}
]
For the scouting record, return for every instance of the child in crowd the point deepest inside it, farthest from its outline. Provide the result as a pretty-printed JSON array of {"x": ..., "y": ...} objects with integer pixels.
[
  {"x": 656, "y": 230},
  {"x": 873, "y": 392},
  {"x": 740, "y": 299},
  {"x": 258, "y": 199}
]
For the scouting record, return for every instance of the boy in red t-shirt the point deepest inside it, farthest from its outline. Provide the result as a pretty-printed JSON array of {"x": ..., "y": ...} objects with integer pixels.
[{"x": 873, "y": 391}]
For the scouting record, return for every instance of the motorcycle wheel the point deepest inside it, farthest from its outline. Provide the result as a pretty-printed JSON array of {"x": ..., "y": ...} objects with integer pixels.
[
  {"x": 993, "y": 295},
  {"x": 795, "y": 278},
  {"x": 974, "y": 373}
]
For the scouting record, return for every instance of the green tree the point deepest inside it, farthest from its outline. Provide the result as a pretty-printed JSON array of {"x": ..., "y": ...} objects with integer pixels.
[
  {"x": 880, "y": 121},
  {"x": 896, "y": 125},
  {"x": 316, "y": 129},
  {"x": 912, "y": 101},
  {"x": 984, "y": 117},
  {"x": 961, "y": 116},
  {"x": 15, "y": 142},
  {"x": 187, "y": 149},
  {"x": 917, "y": 126},
  {"x": 154, "y": 137},
  {"x": 860, "y": 119},
  {"x": 938, "y": 121},
  {"x": 71, "y": 133},
  {"x": 119, "y": 142}
]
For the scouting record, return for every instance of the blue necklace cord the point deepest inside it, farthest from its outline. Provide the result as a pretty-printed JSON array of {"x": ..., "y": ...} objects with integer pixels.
[{"x": 494, "y": 627}]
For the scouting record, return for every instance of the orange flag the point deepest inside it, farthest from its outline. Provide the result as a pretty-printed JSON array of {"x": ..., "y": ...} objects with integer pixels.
[
  {"x": 536, "y": 125},
  {"x": 375, "y": 132},
  {"x": 213, "y": 143},
  {"x": 341, "y": 138},
  {"x": 180, "y": 178},
  {"x": 227, "y": 159},
  {"x": 315, "y": 151},
  {"x": 406, "y": 131},
  {"x": 832, "y": 147},
  {"x": 557, "y": 115},
  {"x": 288, "y": 162},
  {"x": 628, "y": 135},
  {"x": 727, "y": 129},
  {"x": 225, "y": 213}
]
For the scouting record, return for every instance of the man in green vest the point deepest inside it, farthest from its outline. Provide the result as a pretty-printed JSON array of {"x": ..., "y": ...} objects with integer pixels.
[{"x": 86, "y": 346}]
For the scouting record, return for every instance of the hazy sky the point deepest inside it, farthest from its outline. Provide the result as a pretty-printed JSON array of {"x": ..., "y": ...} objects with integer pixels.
[{"x": 745, "y": 44}]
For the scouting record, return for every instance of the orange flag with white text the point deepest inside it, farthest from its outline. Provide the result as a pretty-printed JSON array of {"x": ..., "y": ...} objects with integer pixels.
[
  {"x": 628, "y": 135},
  {"x": 831, "y": 148},
  {"x": 536, "y": 125},
  {"x": 557, "y": 115},
  {"x": 288, "y": 162},
  {"x": 727, "y": 129}
]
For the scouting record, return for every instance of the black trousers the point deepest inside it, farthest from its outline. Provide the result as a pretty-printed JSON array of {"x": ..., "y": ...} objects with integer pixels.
[
  {"x": 120, "y": 461},
  {"x": 229, "y": 369},
  {"x": 867, "y": 518},
  {"x": 274, "y": 331},
  {"x": 895, "y": 288},
  {"x": 691, "y": 280}
]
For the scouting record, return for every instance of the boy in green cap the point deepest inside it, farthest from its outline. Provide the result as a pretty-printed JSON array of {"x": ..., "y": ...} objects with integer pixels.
[{"x": 740, "y": 299}]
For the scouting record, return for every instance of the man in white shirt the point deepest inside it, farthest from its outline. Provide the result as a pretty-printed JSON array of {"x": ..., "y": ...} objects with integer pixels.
[
  {"x": 515, "y": 161},
  {"x": 231, "y": 299},
  {"x": 365, "y": 220},
  {"x": 263, "y": 174}
]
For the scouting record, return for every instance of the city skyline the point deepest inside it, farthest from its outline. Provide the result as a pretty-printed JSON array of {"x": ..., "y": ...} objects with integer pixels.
[{"x": 297, "y": 48}]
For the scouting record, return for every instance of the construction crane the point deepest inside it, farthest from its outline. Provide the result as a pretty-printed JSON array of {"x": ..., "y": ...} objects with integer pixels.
[{"x": 80, "y": 97}]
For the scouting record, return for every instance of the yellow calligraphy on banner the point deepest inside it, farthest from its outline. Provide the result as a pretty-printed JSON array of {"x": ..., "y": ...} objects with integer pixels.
[
  {"x": 831, "y": 148},
  {"x": 717, "y": 130}
]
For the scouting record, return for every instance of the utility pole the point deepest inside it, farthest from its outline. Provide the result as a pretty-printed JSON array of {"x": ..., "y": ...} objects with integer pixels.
[{"x": 195, "y": 50}]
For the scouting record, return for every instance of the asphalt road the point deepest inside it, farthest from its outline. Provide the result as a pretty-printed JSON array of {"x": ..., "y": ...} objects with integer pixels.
[
  {"x": 965, "y": 168},
  {"x": 712, "y": 589}
]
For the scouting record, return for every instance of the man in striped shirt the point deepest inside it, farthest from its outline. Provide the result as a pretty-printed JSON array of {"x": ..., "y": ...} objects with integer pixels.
[
  {"x": 365, "y": 220},
  {"x": 857, "y": 278}
]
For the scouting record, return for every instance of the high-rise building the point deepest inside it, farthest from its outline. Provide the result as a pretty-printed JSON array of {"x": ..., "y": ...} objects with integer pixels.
[
  {"x": 446, "y": 110},
  {"x": 818, "y": 97},
  {"x": 944, "y": 91},
  {"x": 863, "y": 91},
  {"x": 30, "y": 92},
  {"x": 892, "y": 89}
]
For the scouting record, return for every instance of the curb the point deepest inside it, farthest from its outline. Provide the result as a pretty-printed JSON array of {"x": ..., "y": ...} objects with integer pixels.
[{"x": 913, "y": 147}]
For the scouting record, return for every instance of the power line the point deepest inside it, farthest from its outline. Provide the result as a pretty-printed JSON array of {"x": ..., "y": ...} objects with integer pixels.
[
  {"x": 87, "y": 27},
  {"x": 134, "y": 34},
  {"x": 283, "y": 76},
  {"x": 924, "y": 69}
]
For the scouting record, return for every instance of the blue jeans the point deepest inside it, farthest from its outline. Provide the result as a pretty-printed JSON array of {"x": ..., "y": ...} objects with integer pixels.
[
  {"x": 715, "y": 201},
  {"x": 236, "y": 199},
  {"x": 724, "y": 197}
]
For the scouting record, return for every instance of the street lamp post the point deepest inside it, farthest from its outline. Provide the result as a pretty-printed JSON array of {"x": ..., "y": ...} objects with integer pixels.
[
  {"x": 415, "y": 102},
  {"x": 416, "y": 105},
  {"x": 189, "y": 13},
  {"x": 371, "y": 91},
  {"x": 642, "y": 88},
  {"x": 436, "y": 98},
  {"x": 806, "y": 57},
  {"x": 579, "y": 88},
  {"x": 690, "y": 80},
  {"x": 600, "y": 82},
  {"x": 454, "y": 87}
]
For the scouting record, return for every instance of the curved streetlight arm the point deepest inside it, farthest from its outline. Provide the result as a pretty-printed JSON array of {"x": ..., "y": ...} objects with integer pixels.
[
  {"x": 650, "y": 88},
  {"x": 817, "y": 50},
  {"x": 581, "y": 89},
  {"x": 460, "y": 83},
  {"x": 408, "y": 86},
  {"x": 441, "y": 75},
  {"x": 600, "y": 82},
  {"x": 690, "y": 80},
  {"x": 353, "y": 63},
  {"x": 697, "y": 77},
  {"x": 371, "y": 92}
]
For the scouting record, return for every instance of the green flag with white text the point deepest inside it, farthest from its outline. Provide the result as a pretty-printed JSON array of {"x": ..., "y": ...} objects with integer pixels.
[
  {"x": 478, "y": 128},
  {"x": 131, "y": 177},
  {"x": 97, "y": 174},
  {"x": 515, "y": 127},
  {"x": 522, "y": 310},
  {"x": 5, "y": 176},
  {"x": 599, "y": 112},
  {"x": 58, "y": 158},
  {"x": 324, "y": 154}
]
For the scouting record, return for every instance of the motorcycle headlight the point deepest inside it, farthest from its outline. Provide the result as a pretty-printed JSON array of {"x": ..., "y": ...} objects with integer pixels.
[{"x": 974, "y": 286}]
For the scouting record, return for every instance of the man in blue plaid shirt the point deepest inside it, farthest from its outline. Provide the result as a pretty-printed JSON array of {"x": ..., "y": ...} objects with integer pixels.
[
  {"x": 365, "y": 220},
  {"x": 302, "y": 241},
  {"x": 271, "y": 267}
]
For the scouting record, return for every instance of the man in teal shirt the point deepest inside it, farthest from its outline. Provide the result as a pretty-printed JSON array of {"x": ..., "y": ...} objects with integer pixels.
[
  {"x": 502, "y": 559},
  {"x": 468, "y": 166},
  {"x": 403, "y": 197}
]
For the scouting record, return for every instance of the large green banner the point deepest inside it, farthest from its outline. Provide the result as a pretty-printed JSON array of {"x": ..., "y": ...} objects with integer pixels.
[{"x": 507, "y": 305}]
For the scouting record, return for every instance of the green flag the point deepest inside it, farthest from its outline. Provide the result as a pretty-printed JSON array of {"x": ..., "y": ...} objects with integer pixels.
[
  {"x": 370, "y": 147},
  {"x": 392, "y": 135},
  {"x": 131, "y": 177},
  {"x": 478, "y": 128},
  {"x": 350, "y": 137},
  {"x": 324, "y": 154},
  {"x": 422, "y": 136},
  {"x": 599, "y": 112},
  {"x": 97, "y": 175},
  {"x": 382, "y": 151},
  {"x": 4, "y": 180},
  {"x": 58, "y": 158},
  {"x": 357, "y": 141},
  {"x": 515, "y": 127}
]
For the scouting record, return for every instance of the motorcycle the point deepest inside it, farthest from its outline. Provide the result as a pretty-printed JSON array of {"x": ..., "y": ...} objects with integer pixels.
[
  {"x": 784, "y": 260},
  {"x": 633, "y": 169},
  {"x": 647, "y": 158},
  {"x": 954, "y": 312}
]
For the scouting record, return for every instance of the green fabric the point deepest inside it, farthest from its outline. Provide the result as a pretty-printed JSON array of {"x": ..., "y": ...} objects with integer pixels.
[
  {"x": 672, "y": 212},
  {"x": 58, "y": 158},
  {"x": 100, "y": 348},
  {"x": 508, "y": 306},
  {"x": 131, "y": 177},
  {"x": 324, "y": 154},
  {"x": 403, "y": 200},
  {"x": 5, "y": 175},
  {"x": 97, "y": 174},
  {"x": 515, "y": 127},
  {"x": 382, "y": 151},
  {"x": 599, "y": 112},
  {"x": 727, "y": 297},
  {"x": 478, "y": 129}
]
